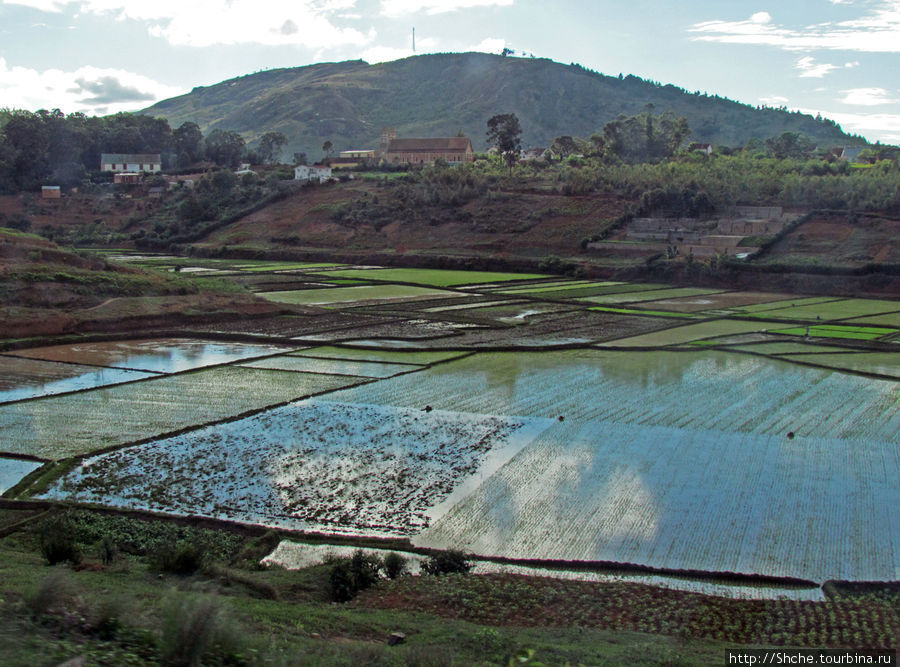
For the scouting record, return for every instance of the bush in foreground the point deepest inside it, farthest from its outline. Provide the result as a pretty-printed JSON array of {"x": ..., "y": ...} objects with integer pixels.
[
  {"x": 447, "y": 562},
  {"x": 351, "y": 575}
]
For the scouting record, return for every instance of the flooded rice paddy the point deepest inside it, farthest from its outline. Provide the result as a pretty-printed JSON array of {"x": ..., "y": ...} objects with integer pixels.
[{"x": 772, "y": 454}]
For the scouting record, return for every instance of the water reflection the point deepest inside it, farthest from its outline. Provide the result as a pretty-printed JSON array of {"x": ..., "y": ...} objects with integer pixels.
[
  {"x": 160, "y": 356},
  {"x": 13, "y": 470}
]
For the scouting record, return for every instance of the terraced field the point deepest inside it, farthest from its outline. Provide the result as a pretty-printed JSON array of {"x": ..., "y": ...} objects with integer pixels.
[{"x": 516, "y": 415}]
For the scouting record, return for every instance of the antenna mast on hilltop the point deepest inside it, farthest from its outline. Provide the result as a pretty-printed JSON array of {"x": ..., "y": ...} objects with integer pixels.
[{"x": 414, "y": 39}]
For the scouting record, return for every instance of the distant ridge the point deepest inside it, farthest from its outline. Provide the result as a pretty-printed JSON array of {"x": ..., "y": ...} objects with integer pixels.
[{"x": 347, "y": 103}]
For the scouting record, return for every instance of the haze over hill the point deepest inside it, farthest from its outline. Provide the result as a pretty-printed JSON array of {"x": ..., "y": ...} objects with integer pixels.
[{"x": 347, "y": 103}]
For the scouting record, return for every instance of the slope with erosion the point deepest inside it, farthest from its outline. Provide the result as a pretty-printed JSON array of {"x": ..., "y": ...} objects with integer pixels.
[{"x": 360, "y": 217}]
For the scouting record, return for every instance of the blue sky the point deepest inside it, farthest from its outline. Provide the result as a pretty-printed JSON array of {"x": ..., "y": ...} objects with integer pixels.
[{"x": 840, "y": 58}]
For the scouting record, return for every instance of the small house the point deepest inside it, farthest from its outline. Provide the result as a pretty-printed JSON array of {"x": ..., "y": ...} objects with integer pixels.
[
  {"x": 312, "y": 172},
  {"x": 131, "y": 162},
  {"x": 50, "y": 192}
]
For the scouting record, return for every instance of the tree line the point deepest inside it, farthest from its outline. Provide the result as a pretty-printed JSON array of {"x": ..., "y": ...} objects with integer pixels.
[{"x": 52, "y": 148}]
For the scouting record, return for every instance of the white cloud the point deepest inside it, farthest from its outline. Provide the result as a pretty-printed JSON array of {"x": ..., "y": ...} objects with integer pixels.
[
  {"x": 91, "y": 90},
  {"x": 774, "y": 101},
  {"x": 403, "y": 7},
  {"x": 383, "y": 54},
  {"x": 867, "y": 97},
  {"x": 489, "y": 45},
  {"x": 207, "y": 22},
  {"x": 877, "y": 30},
  {"x": 882, "y": 127},
  {"x": 809, "y": 69}
]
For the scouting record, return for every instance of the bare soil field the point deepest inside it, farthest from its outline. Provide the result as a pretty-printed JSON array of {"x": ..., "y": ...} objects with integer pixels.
[{"x": 845, "y": 240}]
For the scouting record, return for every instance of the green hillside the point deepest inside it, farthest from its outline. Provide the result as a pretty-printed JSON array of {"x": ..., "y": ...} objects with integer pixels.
[{"x": 439, "y": 95}]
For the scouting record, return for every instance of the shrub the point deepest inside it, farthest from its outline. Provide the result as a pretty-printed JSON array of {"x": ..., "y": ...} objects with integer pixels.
[
  {"x": 349, "y": 576},
  {"x": 447, "y": 562},
  {"x": 57, "y": 540},
  {"x": 54, "y": 594},
  {"x": 180, "y": 558},
  {"x": 195, "y": 631},
  {"x": 394, "y": 565}
]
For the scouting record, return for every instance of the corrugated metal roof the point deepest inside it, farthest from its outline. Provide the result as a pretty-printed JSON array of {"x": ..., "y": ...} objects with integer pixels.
[{"x": 115, "y": 158}]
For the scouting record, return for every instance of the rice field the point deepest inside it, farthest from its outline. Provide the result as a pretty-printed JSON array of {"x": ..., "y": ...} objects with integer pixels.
[
  {"x": 366, "y": 293},
  {"x": 310, "y": 465},
  {"x": 693, "y": 332},
  {"x": 419, "y": 357},
  {"x": 839, "y": 309},
  {"x": 80, "y": 423},
  {"x": 837, "y": 331},
  {"x": 22, "y": 378},
  {"x": 878, "y": 363},
  {"x": 774, "y": 450},
  {"x": 679, "y": 457},
  {"x": 297, "y": 364},
  {"x": 433, "y": 277},
  {"x": 649, "y": 295},
  {"x": 13, "y": 470},
  {"x": 164, "y": 355}
]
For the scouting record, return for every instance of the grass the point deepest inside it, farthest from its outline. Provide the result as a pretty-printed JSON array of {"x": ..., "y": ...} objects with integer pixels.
[{"x": 127, "y": 613}]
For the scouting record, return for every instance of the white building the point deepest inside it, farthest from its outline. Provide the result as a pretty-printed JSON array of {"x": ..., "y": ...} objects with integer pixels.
[
  {"x": 312, "y": 172},
  {"x": 133, "y": 162}
]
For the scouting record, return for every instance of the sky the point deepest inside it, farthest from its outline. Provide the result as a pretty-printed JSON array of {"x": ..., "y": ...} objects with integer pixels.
[{"x": 840, "y": 58}]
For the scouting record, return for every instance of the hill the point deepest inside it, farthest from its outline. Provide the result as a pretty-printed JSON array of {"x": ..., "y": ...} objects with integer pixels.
[
  {"x": 46, "y": 290},
  {"x": 347, "y": 103}
]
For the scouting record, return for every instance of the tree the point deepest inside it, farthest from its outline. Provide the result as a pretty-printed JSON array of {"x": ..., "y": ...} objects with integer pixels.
[
  {"x": 645, "y": 137},
  {"x": 565, "y": 146},
  {"x": 327, "y": 147},
  {"x": 270, "y": 146},
  {"x": 504, "y": 132},
  {"x": 789, "y": 144},
  {"x": 225, "y": 147},
  {"x": 188, "y": 143}
]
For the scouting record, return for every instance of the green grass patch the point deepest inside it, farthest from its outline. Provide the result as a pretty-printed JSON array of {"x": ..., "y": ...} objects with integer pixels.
[{"x": 836, "y": 331}]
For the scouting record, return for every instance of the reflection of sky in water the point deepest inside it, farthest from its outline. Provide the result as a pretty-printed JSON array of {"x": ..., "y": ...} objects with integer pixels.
[
  {"x": 167, "y": 359},
  {"x": 87, "y": 380},
  {"x": 161, "y": 356},
  {"x": 13, "y": 470}
]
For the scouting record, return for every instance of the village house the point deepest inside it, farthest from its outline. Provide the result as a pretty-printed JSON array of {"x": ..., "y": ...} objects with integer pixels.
[
  {"x": 312, "y": 172},
  {"x": 453, "y": 150},
  {"x": 50, "y": 192},
  {"x": 131, "y": 162}
]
